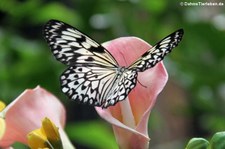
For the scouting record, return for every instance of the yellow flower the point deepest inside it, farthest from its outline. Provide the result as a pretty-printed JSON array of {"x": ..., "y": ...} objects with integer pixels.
[
  {"x": 2, "y": 121},
  {"x": 45, "y": 137},
  {"x": 25, "y": 114},
  {"x": 2, "y": 106}
]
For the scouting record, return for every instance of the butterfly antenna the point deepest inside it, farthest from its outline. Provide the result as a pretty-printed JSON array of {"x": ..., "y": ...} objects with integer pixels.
[
  {"x": 141, "y": 84},
  {"x": 127, "y": 65}
]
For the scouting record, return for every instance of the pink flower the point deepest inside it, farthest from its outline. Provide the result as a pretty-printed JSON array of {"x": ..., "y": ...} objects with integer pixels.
[
  {"x": 26, "y": 113},
  {"x": 129, "y": 118}
]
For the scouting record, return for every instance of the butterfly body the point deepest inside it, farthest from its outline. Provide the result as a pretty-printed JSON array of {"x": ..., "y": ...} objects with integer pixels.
[{"x": 93, "y": 75}]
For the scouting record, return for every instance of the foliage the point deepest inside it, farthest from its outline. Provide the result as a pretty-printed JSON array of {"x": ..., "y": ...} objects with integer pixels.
[
  {"x": 217, "y": 142},
  {"x": 88, "y": 132},
  {"x": 197, "y": 65}
]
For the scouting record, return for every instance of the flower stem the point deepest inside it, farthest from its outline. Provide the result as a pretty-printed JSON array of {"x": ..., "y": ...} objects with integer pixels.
[
  {"x": 127, "y": 114},
  {"x": 65, "y": 140}
]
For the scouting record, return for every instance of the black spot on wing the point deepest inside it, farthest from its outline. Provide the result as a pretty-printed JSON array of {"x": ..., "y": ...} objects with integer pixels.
[
  {"x": 92, "y": 91},
  {"x": 76, "y": 83},
  {"x": 81, "y": 39},
  {"x": 83, "y": 87},
  {"x": 145, "y": 54},
  {"x": 90, "y": 59},
  {"x": 98, "y": 49}
]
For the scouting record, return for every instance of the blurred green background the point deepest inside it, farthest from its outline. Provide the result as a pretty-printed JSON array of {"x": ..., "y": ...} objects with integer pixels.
[{"x": 192, "y": 103}]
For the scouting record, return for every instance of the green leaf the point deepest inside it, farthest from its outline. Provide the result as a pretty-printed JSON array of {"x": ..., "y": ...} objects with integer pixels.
[
  {"x": 92, "y": 134},
  {"x": 197, "y": 143},
  {"x": 218, "y": 141}
]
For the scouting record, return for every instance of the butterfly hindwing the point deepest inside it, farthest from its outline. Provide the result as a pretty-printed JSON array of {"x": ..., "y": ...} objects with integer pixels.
[
  {"x": 125, "y": 82},
  {"x": 154, "y": 55},
  {"x": 93, "y": 76},
  {"x": 97, "y": 86},
  {"x": 83, "y": 84}
]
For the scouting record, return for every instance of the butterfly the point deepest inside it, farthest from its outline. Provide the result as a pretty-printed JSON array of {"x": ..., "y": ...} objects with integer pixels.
[{"x": 93, "y": 75}]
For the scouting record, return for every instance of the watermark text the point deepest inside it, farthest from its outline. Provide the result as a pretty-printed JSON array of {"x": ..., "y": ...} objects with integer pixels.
[{"x": 201, "y": 4}]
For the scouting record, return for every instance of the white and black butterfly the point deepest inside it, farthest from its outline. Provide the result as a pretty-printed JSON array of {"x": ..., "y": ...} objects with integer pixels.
[{"x": 94, "y": 77}]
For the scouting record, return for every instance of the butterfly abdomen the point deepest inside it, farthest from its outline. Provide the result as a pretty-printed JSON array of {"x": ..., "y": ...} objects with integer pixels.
[{"x": 126, "y": 81}]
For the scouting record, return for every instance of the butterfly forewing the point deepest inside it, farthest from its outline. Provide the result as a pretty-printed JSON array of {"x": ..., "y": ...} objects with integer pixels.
[
  {"x": 72, "y": 47},
  {"x": 93, "y": 76},
  {"x": 158, "y": 52}
]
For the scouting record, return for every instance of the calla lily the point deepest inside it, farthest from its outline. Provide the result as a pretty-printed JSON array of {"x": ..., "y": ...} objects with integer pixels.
[
  {"x": 129, "y": 118},
  {"x": 2, "y": 121},
  {"x": 27, "y": 111}
]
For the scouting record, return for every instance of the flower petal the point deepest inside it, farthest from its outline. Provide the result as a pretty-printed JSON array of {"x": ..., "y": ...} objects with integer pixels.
[
  {"x": 25, "y": 113},
  {"x": 141, "y": 99},
  {"x": 37, "y": 139},
  {"x": 51, "y": 130},
  {"x": 2, "y": 127}
]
